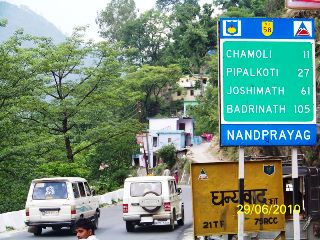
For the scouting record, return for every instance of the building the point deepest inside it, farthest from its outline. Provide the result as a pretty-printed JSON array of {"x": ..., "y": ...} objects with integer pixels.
[
  {"x": 190, "y": 87},
  {"x": 162, "y": 132}
]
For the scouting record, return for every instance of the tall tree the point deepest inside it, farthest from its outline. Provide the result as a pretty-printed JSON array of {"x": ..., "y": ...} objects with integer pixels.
[
  {"x": 147, "y": 36},
  {"x": 18, "y": 152},
  {"x": 153, "y": 83},
  {"x": 76, "y": 73},
  {"x": 112, "y": 19}
]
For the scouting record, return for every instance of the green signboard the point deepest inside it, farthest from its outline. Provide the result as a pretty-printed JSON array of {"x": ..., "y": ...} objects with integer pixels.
[{"x": 268, "y": 81}]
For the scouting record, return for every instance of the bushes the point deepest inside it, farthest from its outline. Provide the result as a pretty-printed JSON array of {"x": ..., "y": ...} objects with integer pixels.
[
  {"x": 158, "y": 170},
  {"x": 168, "y": 155}
]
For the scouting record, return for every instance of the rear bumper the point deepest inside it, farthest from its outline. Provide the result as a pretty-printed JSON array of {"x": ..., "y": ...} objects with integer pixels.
[
  {"x": 155, "y": 217},
  {"x": 51, "y": 224}
]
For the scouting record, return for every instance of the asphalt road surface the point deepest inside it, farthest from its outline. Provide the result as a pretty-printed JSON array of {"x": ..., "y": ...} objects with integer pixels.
[{"x": 112, "y": 227}]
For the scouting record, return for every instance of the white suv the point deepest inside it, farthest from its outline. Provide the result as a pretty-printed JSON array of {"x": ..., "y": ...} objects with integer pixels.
[
  {"x": 152, "y": 200},
  {"x": 59, "y": 202}
]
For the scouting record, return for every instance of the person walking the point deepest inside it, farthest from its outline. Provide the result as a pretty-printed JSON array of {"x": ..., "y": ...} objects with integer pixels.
[
  {"x": 176, "y": 176},
  {"x": 85, "y": 229}
]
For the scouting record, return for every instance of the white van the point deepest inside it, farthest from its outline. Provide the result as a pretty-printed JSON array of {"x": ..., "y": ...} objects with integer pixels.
[
  {"x": 59, "y": 202},
  {"x": 152, "y": 200}
]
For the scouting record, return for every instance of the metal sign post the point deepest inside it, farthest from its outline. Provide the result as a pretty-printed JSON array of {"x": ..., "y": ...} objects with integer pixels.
[
  {"x": 295, "y": 181},
  {"x": 241, "y": 194}
]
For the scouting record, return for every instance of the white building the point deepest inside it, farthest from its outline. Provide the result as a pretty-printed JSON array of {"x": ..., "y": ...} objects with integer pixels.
[{"x": 164, "y": 131}]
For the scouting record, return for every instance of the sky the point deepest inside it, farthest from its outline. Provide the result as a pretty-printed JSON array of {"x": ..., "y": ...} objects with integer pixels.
[{"x": 67, "y": 14}]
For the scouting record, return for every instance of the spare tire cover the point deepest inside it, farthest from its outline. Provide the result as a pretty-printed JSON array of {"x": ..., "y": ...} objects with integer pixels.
[{"x": 151, "y": 202}]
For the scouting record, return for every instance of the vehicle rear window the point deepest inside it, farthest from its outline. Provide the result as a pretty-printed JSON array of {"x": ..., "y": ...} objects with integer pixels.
[
  {"x": 50, "y": 190},
  {"x": 139, "y": 189}
]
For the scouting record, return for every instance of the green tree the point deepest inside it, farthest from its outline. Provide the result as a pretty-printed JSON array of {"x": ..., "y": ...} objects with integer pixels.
[
  {"x": 206, "y": 113},
  {"x": 251, "y": 8},
  {"x": 18, "y": 151},
  {"x": 152, "y": 84},
  {"x": 146, "y": 36},
  {"x": 114, "y": 17},
  {"x": 77, "y": 74},
  {"x": 168, "y": 155}
]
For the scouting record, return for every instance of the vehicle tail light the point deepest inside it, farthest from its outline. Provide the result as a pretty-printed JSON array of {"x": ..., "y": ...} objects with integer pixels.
[
  {"x": 73, "y": 210},
  {"x": 27, "y": 212},
  {"x": 167, "y": 206},
  {"x": 125, "y": 208}
]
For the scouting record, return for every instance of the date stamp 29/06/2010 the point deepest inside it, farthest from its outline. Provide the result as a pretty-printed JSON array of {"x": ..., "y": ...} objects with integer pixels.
[{"x": 265, "y": 209}]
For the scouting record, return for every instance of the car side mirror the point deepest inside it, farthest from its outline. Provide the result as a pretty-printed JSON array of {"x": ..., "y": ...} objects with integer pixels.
[
  {"x": 179, "y": 190},
  {"x": 93, "y": 192}
]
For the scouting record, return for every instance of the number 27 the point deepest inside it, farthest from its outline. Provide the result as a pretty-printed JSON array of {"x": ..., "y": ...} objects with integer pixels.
[{"x": 303, "y": 72}]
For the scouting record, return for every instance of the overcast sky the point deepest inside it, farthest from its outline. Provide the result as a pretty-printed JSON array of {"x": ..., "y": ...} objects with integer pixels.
[{"x": 67, "y": 14}]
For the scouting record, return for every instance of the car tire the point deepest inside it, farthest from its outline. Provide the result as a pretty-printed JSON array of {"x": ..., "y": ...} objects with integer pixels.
[
  {"x": 96, "y": 221},
  {"x": 38, "y": 231},
  {"x": 72, "y": 229},
  {"x": 181, "y": 220},
  {"x": 129, "y": 226},
  {"x": 171, "y": 226}
]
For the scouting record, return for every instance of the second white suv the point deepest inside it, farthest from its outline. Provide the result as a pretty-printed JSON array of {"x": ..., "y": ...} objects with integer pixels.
[
  {"x": 60, "y": 202},
  {"x": 152, "y": 200}
]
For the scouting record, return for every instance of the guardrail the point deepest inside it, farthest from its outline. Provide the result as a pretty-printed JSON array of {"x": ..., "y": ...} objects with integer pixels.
[{"x": 15, "y": 220}]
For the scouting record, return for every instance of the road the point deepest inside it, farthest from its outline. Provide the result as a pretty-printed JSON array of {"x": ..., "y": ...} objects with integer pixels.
[{"x": 112, "y": 227}]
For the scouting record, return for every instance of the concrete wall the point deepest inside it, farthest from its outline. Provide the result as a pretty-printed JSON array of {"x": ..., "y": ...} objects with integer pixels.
[
  {"x": 188, "y": 125},
  {"x": 177, "y": 139},
  {"x": 164, "y": 124}
]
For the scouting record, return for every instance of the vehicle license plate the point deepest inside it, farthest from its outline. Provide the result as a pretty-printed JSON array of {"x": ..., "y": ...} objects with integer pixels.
[
  {"x": 157, "y": 222},
  {"x": 50, "y": 213},
  {"x": 146, "y": 219},
  {"x": 150, "y": 202}
]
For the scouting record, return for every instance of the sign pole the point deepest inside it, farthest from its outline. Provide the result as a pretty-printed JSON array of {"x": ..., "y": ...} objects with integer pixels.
[
  {"x": 295, "y": 180},
  {"x": 241, "y": 194}
]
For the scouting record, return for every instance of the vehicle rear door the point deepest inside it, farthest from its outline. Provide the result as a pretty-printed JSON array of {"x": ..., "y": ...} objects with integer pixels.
[
  {"x": 145, "y": 197},
  {"x": 50, "y": 202}
]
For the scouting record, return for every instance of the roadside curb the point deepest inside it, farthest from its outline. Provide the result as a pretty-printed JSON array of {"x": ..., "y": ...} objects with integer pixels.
[{"x": 188, "y": 234}]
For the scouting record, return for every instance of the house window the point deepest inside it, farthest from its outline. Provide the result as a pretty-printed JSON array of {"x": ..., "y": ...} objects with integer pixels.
[
  {"x": 191, "y": 92},
  {"x": 182, "y": 126},
  {"x": 179, "y": 93},
  {"x": 155, "y": 141},
  {"x": 169, "y": 140}
]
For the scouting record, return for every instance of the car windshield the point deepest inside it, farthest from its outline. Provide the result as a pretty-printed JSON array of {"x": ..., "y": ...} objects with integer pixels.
[
  {"x": 139, "y": 189},
  {"x": 50, "y": 190}
]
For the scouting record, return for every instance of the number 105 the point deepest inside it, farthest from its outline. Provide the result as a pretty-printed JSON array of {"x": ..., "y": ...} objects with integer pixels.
[{"x": 301, "y": 109}]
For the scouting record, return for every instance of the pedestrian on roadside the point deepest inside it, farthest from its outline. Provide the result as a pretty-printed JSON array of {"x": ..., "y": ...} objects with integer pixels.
[
  {"x": 176, "y": 176},
  {"x": 85, "y": 229},
  {"x": 166, "y": 172}
]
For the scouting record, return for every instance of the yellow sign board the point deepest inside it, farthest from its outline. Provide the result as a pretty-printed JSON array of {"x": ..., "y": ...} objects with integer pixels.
[{"x": 215, "y": 197}]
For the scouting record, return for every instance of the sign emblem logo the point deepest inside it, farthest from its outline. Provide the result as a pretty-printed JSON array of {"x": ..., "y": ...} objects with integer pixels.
[
  {"x": 267, "y": 28},
  {"x": 269, "y": 169},
  {"x": 203, "y": 175},
  {"x": 302, "y": 29},
  {"x": 232, "y": 28}
]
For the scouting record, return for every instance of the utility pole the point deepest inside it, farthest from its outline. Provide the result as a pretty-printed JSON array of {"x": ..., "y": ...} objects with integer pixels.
[{"x": 148, "y": 159}]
